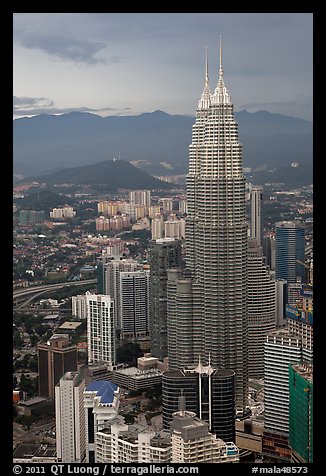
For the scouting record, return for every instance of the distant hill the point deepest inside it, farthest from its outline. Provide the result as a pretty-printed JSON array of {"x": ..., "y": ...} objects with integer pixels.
[
  {"x": 47, "y": 143},
  {"x": 110, "y": 175}
]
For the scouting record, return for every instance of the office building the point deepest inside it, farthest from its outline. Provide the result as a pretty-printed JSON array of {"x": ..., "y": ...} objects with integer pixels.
[
  {"x": 164, "y": 254},
  {"x": 281, "y": 349},
  {"x": 101, "y": 338},
  {"x": 281, "y": 298},
  {"x": 134, "y": 304},
  {"x": 216, "y": 238},
  {"x": 55, "y": 357},
  {"x": 101, "y": 404},
  {"x": 269, "y": 250},
  {"x": 256, "y": 217},
  {"x": 261, "y": 307},
  {"x": 111, "y": 281},
  {"x": 209, "y": 393},
  {"x": 289, "y": 251},
  {"x": 301, "y": 413},
  {"x": 70, "y": 418}
]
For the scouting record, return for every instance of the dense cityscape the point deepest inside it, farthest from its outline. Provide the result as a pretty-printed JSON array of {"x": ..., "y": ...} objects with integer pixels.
[{"x": 166, "y": 324}]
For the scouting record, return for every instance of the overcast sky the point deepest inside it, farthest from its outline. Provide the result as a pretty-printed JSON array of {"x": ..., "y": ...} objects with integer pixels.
[{"x": 129, "y": 63}]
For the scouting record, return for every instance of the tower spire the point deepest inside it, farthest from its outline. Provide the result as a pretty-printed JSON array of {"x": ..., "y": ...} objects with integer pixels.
[
  {"x": 206, "y": 75},
  {"x": 221, "y": 67},
  {"x": 221, "y": 94},
  {"x": 205, "y": 100}
]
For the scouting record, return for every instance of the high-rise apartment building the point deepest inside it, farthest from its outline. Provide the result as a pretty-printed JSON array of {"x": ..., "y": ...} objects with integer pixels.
[
  {"x": 261, "y": 307},
  {"x": 175, "y": 228},
  {"x": 256, "y": 218},
  {"x": 157, "y": 227},
  {"x": 101, "y": 329},
  {"x": 55, "y": 357},
  {"x": 134, "y": 304},
  {"x": 70, "y": 418},
  {"x": 192, "y": 442},
  {"x": 140, "y": 197},
  {"x": 79, "y": 306},
  {"x": 164, "y": 254},
  {"x": 216, "y": 238},
  {"x": 289, "y": 251},
  {"x": 31, "y": 217},
  {"x": 167, "y": 204},
  {"x": 122, "y": 443}
]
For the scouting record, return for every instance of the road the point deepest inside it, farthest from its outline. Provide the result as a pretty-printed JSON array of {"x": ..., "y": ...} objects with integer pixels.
[{"x": 18, "y": 294}]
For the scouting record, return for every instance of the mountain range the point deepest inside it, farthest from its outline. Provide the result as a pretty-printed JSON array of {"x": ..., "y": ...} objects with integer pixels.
[{"x": 157, "y": 142}]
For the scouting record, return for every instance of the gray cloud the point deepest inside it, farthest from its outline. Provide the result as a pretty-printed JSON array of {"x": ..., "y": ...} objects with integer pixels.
[
  {"x": 300, "y": 106},
  {"x": 31, "y": 106},
  {"x": 29, "y": 101},
  {"x": 63, "y": 47}
]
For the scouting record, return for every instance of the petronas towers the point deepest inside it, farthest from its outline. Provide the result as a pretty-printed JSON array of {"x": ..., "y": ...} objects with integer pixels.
[{"x": 211, "y": 296}]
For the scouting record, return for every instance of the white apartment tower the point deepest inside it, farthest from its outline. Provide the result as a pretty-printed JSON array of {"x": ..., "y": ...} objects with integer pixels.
[
  {"x": 216, "y": 237},
  {"x": 101, "y": 329},
  {"x": 70, "y": 418},
  {"x": 79, "y": 306}
]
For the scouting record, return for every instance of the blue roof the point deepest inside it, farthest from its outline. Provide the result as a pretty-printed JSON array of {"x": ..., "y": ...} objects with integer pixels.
[{"x": 104, "y": 389}]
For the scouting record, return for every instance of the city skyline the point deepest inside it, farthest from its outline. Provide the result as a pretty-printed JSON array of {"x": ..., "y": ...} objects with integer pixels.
[{"x": 129, "y": 63}]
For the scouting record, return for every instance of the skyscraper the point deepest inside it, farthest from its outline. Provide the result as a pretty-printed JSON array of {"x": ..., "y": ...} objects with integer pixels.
[
  {"x": 261, "y": 307},
  {"x": 101, "y": 338},
  {"x": 209, "y": 394},
  {"x": 216, "y": 237},
  {"x": 281, "y": 349},
  {"x": 134, "y": 304},
  {"x": 164, "y": 253},
  {"x": 289, "y": 251},
  {"x": 70, "y": 418},
  {"x": 55, "y": 358}
]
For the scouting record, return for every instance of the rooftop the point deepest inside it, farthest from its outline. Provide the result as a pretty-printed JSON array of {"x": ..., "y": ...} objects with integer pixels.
[
  {"x": 70, "y": 325},
  {"x": 26, "y": 450},
  {"x": 104, "y": 389}
]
